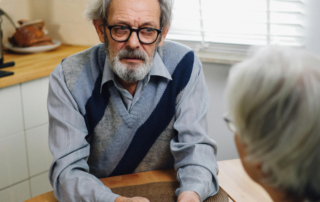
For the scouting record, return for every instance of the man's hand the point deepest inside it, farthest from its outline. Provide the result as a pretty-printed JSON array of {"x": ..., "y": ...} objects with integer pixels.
[
  {"x": 134, "y": 199},
  {"x": 189, "y": 196}
]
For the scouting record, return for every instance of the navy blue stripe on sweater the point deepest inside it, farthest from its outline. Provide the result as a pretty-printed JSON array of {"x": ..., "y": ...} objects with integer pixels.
[
  {"x": 160, "y": 118},
  {"x": 96, "y": 106}
]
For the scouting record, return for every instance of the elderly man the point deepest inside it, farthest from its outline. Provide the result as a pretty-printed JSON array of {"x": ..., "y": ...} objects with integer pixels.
[{"x": 134, "y": 103}]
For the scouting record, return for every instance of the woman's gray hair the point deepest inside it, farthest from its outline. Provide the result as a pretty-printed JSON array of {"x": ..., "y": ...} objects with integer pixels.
[
  {"x": 98, "y": 9},
  {"x": 274, "y": 102}
]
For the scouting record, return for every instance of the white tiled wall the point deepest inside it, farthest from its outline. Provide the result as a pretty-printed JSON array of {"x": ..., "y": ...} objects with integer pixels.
[
  {"x": 34, "y": 101},
  {"x": 24, "y": 152},
  {"x": 13, "y": 158},
  {"x": 40, "y": 184},
  {"x": 11, "y": 120},
  {"x": 37, "y": 140},
  {"x": 16, "y": 193}
]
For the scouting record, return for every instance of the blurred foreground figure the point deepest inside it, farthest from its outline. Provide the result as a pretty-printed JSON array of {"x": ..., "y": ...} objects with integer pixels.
[{"x": 274, "y": 111}]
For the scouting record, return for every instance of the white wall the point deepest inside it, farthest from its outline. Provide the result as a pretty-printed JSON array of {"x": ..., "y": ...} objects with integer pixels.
[
  {"x": 216, "y": 77},
  {"x": 16, "y": 9},
  {"x": 63, "y": 18},
  {"x": 313, "y": 26}
]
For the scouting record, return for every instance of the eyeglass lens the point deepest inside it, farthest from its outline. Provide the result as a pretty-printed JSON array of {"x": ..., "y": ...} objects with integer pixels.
[{"x": 122, "y": 33}]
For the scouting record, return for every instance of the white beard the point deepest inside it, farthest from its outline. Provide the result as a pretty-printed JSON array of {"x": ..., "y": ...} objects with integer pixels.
[{"x": 131, "y": 72}]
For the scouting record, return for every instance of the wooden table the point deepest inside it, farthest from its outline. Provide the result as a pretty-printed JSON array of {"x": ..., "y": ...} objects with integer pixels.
[
  {"x": 168, "y": 175},
  {"x": 36, "y": 65},
  {"x": 239, "y": 186},
  {"x": 232, "y": 179}
]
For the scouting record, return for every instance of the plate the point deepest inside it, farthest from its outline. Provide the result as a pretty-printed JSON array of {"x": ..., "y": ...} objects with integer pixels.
[{"x": 35, "y": 49}]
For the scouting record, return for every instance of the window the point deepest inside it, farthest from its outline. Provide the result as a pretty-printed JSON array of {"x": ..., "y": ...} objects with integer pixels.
[{"x": 236, "y": 24}]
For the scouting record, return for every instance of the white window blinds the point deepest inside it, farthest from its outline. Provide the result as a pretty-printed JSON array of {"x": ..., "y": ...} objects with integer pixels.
[{"x": 239, "y": 22}]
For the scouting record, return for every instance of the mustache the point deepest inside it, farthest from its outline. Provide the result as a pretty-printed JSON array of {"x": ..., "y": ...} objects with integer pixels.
[{"x": 136, "y": 54}]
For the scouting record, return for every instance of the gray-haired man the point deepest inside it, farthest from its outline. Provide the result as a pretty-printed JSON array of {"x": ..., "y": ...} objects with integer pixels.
[{"x": 133, "y": 104}]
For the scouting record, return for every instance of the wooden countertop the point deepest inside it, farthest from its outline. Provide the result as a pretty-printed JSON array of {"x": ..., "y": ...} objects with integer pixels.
[{"x": 36, "y": 65}]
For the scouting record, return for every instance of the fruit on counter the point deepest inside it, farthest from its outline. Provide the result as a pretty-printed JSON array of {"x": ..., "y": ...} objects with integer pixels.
[{"x": 30, "y": 34}]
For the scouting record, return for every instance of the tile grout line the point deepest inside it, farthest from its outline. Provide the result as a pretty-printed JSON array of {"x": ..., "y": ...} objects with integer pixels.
[
  {"x": 14, "y": 184},
  {"x": 38, "y": 174},
  {"x": 25, "y": 142},
  {"x": 33, "y": 127},
  {"x": 27, "y": 179}
]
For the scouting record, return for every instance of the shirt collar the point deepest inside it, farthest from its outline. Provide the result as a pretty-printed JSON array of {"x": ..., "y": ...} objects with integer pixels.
[
  {"x": 108, "y": 74},
  {"x": 158, "y": 69}
]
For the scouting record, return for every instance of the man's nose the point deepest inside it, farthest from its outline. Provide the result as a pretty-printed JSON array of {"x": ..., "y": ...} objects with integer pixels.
[{"x": 133, "y": 41}]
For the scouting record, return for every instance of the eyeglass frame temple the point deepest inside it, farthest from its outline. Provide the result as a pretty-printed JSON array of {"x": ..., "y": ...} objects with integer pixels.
[
  {"x": 229, "y": 122},
  {"x": 131, "y": 30}
]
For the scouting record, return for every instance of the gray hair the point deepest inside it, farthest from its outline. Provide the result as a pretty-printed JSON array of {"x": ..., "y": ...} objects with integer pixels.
[
  {"x": 98, "y": 9},
  {"x": 274, "y": 101}
]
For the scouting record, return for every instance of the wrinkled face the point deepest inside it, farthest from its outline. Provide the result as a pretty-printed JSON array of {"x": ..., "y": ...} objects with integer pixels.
[{"x": 132, "y": 60}]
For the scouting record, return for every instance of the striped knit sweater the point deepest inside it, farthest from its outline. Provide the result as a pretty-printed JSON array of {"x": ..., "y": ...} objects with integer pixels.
[{"x": 114, "y": 141}]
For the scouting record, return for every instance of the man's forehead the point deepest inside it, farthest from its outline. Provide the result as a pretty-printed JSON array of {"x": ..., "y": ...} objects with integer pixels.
[{"x": 134, "y": 11}]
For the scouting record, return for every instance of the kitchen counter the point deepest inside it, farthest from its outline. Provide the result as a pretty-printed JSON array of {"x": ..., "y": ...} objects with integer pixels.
[{"x": 37, "y": 65}]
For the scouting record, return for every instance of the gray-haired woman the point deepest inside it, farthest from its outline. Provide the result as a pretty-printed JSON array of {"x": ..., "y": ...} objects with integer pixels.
[{"x": 273, "y": 99}]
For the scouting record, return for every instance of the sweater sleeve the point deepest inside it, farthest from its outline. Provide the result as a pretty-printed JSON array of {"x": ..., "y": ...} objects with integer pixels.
[
  {"x": 69, "y": 173},
  {"x": 194, "y": 152}
]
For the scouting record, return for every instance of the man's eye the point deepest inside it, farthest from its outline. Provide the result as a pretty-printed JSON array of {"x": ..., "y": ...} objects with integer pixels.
[
  {"x": 148, "y": 29},
  {"x": 122, "y": 28}
]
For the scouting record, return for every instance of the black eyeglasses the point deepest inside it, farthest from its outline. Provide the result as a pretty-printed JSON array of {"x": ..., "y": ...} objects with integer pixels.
[
  {"x": 229, "y": 123},
  {"x": 122, "y": 33}
]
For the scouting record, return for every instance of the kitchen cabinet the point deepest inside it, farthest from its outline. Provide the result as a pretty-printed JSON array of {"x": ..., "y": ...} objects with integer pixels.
[{"x": 24, "y": 151}]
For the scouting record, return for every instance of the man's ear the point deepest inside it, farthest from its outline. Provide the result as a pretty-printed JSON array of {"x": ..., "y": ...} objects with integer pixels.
[
  {"x": 98, "y": 24},
  {"x": 165, "y": 31}
]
